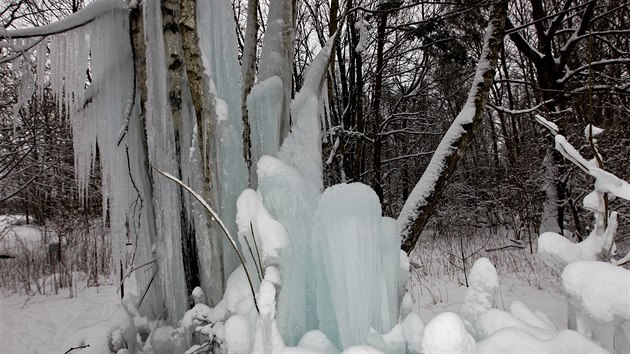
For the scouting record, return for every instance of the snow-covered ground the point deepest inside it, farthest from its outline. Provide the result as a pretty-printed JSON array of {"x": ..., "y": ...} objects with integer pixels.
[
  {"x": 432, "y": 297},
  {"x": 40, "y": 324}
]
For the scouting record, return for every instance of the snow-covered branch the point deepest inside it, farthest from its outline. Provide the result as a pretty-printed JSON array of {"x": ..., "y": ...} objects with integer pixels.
[
  {"x": 80, "y": 18},
  {"x": 517, "y": 111}
]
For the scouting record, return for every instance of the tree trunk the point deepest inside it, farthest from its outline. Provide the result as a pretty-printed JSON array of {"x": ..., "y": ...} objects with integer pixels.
[{"x": 427, "y": 192}]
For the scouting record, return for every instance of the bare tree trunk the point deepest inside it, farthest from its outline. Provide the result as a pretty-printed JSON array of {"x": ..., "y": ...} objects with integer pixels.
[
  {"x": 248, "y": 75},
  {"x": 376, "y": 106}
]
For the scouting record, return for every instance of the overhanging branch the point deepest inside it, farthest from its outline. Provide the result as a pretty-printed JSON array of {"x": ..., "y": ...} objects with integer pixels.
[{"x": 80, "y": 18}]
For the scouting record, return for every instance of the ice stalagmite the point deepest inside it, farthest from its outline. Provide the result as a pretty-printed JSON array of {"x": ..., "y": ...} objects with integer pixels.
[
  {"x": 268, "y": 103},
  {"x": 356, "y": 265},
  {"x": 290, "y": 186}
]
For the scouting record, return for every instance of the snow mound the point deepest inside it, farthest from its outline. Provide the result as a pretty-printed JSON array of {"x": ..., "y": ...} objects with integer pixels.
[
  {"x": 601, "y": 290},
  {"x": 446, "y": 333},
  {"x": 317, "y": 341},
  {"x": 362, "y": 349},
  {"x": 513, "y": 340},
  {"x": 479, "y": 297},
  {"x": 494, "y": 320},
  {"x": 413, "y": 330},
  {"x": 533, "y": 318},
  {"x": 238, "y": 334},
  {"x": 117, "y": 332}
]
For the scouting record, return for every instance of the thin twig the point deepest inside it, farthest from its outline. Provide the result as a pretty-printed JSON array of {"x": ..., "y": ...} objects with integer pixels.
[
  {"x": 75, "y": 348},
  {"x": 216, "y": 218},
  {"x": 251, "y": 227}
]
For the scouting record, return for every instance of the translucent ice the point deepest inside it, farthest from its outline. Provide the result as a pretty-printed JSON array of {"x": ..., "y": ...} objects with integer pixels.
[{"x": 352, "y": 257}]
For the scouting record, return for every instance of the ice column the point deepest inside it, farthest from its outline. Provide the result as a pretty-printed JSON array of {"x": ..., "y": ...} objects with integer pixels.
[{"x": 218, "y": 42}]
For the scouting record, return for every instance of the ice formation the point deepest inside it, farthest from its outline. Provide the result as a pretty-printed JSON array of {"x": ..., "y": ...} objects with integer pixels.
[
  {"x": 218, "y": 43},
  {"x": 97, "y": 112},
  {"x": 350, "y": 240}
]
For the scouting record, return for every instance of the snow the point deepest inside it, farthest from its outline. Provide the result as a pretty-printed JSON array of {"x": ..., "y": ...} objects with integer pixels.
[
  {"x": 238, "y": 296},
  {"x": 591, "y": 131},
  {"x": 238, "y": 334},
  {"x": 446, "y": 334},
  {"x": 362, "y": 26},
  {"x": 479, "y": 297},
  {"x": 392, "y": 342},
  {"x": 494, "y": 320},
  {"x": 512, "y": 340},
  {"x": 317, "y": 341},
  {"x": 256, "y": 228},
  {"x": 362, "y": 349},
  {"x": 41, "y": 323},
  {"x": 413, "y": 330},
  {"x": 533, "y": 318},
  {"x": 553, "y": 127},
  {"x": 599, "y": 289},
  {"x": 557, "y": 251},
  {"x": 115, "y": 333}
]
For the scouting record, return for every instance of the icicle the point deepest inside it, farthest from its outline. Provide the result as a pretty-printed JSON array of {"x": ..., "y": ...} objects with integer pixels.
[{"x": 41, "y": 67}]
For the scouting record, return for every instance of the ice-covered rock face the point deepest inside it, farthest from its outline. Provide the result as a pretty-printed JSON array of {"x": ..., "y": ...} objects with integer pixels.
[{"x": 446, "y": 334}]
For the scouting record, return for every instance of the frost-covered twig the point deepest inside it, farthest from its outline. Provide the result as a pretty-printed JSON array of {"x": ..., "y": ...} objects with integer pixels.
[{"x": 216, "y": 218}]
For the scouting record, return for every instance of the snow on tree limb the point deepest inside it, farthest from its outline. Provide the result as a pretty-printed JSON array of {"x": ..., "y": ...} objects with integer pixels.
[
  {"x": 77, "y": 19},
  {"x": 424, "y": 197}
]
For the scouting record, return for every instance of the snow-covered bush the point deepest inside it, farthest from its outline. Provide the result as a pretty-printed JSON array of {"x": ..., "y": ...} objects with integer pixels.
[
  {"x": 597, "y": 291},
  {"x": 600, "y": 293}
]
